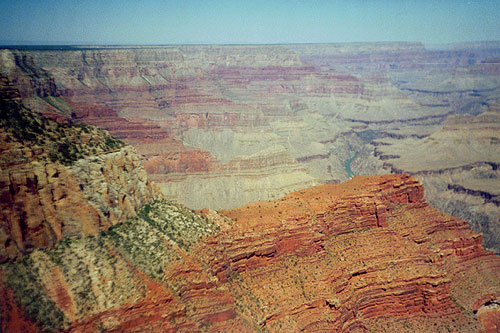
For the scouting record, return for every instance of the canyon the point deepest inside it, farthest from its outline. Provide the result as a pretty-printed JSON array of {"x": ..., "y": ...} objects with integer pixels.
[
  {"x": 220, "y": 126},
  {"x": 246, "y": 188},
  {"x": 365, "y": 255}
]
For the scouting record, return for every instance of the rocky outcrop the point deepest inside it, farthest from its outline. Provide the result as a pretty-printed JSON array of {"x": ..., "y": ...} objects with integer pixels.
[
  {"x": 367, "y": 255},
  {"x": 116, "y": 184},
  {"x": 43, "y": 203},
  {"x": 386, "y": 246},
  {"x": 59, "y": 180}
]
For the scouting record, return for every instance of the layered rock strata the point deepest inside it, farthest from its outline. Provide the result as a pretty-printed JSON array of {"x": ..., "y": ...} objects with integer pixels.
[
  {"x": 59, "y": 180},
  {"x": 366, "y": 255},
  {"x": 194, "y": 112},
  {"x": 459, "y": 165},
  {"x": 43, "y": 203}
]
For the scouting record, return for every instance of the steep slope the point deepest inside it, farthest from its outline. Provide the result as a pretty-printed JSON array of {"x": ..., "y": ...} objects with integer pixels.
[
  {"x": 365, "y": 255},
  {"x": 59, "y": 180},
  {"x": 149, "y": 97},
  {"x": 86, "y": 247}
]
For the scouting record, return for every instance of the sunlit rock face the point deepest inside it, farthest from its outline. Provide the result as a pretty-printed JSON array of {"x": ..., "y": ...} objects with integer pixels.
[
  {"x": 365, "y": 255},
  {"x": 219, "y": 126},
  {"x": 58, "y": 180}
]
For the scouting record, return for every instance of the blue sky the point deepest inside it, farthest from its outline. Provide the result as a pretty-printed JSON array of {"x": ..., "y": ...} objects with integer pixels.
[{"x": 259, "y": 21}]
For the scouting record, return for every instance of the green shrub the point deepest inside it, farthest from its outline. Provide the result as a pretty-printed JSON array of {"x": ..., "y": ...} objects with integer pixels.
[{"x": 22, "y": 278}]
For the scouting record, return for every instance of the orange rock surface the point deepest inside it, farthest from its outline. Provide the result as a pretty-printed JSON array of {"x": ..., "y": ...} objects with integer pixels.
[
  {"x": 42, "y": 201},
  {"x": 9, "y": 308},
  {"x": 365, "y": 255},
  {"x": 339, "y": 257},
  {"x": 181, "y": 161}
]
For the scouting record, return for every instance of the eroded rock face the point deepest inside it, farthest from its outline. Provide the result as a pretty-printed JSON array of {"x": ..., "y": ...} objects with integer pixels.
[
  {"x": 43, "y": 203},
  {"x": 459, "y": 166},
  {"x": 116, "y": 184},
  {"x": 366, "y": 255},
  {"x": 38, "y": 202},
  {"x": 206, "y": 119},
  {"x": 58, "y": 181}
]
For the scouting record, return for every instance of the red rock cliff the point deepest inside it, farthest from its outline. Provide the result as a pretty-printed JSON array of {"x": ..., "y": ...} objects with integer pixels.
[{"x": 365, "y": 255}]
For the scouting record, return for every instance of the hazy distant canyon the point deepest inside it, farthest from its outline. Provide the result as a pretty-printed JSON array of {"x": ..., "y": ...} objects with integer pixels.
[{"x": 220, "y": 126}]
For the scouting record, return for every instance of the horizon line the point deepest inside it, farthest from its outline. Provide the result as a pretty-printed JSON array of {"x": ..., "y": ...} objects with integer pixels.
[{"x": 5, "y": 44}]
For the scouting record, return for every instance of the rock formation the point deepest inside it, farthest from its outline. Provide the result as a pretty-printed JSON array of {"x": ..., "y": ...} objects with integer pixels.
[
  {"x": 365, "y": 255},
  {"x": 459, "y": 166},
  {"x": 89, "y": 244},
  {"x": 208, "y": 121},
  {"x": 59, "y": 180}
]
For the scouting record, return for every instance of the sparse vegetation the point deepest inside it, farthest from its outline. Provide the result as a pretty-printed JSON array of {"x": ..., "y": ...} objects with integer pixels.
[
  {"x": 64, "y": 143},
  {"x": 23, "y": 279},
  {"x": 147, "y": 241}
]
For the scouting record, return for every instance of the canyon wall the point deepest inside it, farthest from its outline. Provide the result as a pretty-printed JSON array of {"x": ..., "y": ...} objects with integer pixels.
[
  {"x": 58, "y": 181},
  {"x": 366, "y": 255},
  {"x": 219, "y": 126},
  {"x": 90, "y": 244}
]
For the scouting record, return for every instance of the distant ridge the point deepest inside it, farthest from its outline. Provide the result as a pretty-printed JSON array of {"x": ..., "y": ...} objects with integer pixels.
[{"x": 30, "y": 45}]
